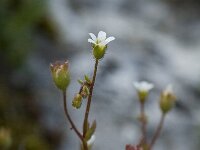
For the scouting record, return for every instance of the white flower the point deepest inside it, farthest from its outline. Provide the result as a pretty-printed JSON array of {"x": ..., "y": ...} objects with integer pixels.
[
  {"x": 143, "y": 86},
  {"x": 99, "y": 44},
  {"x": 101, "y": 39},
  {"x": 91, "y": 140}
]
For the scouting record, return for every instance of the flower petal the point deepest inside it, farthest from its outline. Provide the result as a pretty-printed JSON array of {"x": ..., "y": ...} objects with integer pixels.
[
  {"x": 93, "y": 36},
  {"x": 109, "y": 40},
  {"x": 101, "y": 36},
  {"x": 91, "y": 41},
  {"x": 143, "y": 86}
]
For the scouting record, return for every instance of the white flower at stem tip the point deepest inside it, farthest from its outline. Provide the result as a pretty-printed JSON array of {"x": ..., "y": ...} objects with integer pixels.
[
  {"x": 101, "y": 39},
  {"x": 143, "y": 89},
  {"x": 99, "y": 44},
  {"x": 143, "y": 86}
]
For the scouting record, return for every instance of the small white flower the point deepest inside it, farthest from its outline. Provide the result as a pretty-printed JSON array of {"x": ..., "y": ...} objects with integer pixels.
[
  {"x": 143, "y": 86},
  {"x": 101, "y": 39},
  {"x": 91, "y": 140}
]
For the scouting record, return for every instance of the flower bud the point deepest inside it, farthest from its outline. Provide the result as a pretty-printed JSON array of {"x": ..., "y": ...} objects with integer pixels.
[
  {"x": 5, "y": 138},
  {"x": 77, "y": 101},
  {"x": 60, "y": 74},
  {"x": 167, "y": 99},
  {"x": 99, "y": 51},
  {"x": 85, "y": 91}
]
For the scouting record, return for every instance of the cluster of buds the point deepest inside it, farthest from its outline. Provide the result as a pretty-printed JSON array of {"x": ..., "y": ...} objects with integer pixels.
[
  {"x": 83, "y": 92},
  {"x": 85, "y": 86},
  {"x": 5, "y": 138},
  {"x": 60, "y": 74},
  {"x": 167, "y": 98}
]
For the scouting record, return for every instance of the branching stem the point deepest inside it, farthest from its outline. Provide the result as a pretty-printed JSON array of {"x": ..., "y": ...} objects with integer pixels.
[{"x": 73, "y": 126}]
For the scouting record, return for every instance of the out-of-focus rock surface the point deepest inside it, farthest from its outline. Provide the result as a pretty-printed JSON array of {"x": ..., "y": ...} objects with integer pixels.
[{"x": 154, "y": 42}]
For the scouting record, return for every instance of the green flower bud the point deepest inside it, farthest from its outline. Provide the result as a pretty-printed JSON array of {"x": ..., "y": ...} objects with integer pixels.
[
  {"x": 85, "y": 91},
  {"x": 77, "y": 101},
  {"x": 5, "y": 138},
  {"x": 167, "y": 100},
  {"x": 99, "y": 51},
  {"x": 60, "y": 74}
]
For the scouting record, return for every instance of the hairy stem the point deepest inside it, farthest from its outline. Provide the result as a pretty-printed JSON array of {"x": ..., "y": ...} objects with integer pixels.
[
  {"x": 72, "y": 123},
  {"x": 89, "y": 99},
  {"x": 158, "y": 130}
]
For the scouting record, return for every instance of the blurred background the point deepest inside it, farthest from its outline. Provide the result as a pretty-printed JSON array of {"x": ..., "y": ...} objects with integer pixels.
[{"x": 156, "y": 40}]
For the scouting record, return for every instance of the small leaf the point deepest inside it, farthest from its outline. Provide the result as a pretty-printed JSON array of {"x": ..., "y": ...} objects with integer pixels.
[
  {"x": 91, "y": 130},
  {"x": 88, "y": 79},
  {"x": 80, "y": 81}
]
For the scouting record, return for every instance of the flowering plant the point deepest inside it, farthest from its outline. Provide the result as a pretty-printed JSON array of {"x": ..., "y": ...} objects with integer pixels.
[{"x": 61, "y": 77}]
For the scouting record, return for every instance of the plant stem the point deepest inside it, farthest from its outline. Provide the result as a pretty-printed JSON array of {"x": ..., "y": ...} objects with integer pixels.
[
  {"x": 143, "y": 121},
  {"x": 71, "y": 122},
  {"x": 158, "y": 130},
  {"x": 89, "y": 99}
]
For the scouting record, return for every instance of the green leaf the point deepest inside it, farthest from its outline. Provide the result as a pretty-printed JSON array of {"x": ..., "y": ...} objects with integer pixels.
[
  {"x": 87, "y": 79},
  {"x": 91, "y": 130},
  {"x": 80, "y": 81}
]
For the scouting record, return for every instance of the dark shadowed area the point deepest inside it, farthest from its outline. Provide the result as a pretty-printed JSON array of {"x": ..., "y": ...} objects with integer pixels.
[{"x": 156, "y": 40}]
